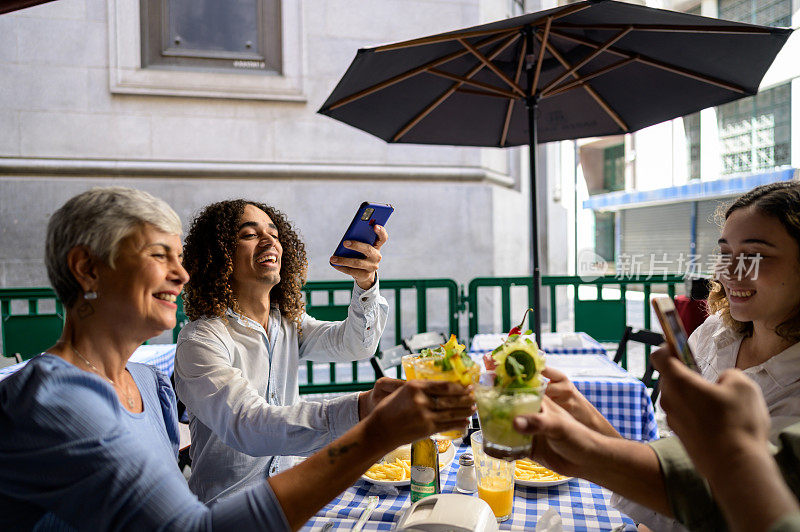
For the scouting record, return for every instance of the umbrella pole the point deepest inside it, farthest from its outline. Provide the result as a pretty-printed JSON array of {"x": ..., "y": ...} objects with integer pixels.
[{"x": 532, "y": 106}]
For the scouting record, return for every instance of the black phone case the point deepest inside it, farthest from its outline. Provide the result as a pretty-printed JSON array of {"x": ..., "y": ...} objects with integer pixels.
[{"x": 361, "y": 230}]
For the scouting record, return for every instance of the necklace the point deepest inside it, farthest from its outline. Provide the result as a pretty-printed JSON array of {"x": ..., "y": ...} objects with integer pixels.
[{"x": 114, "y": 384}]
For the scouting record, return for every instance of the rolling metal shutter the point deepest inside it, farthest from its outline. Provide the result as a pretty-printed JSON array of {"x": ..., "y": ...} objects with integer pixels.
[{"x": 654, "y": 231}]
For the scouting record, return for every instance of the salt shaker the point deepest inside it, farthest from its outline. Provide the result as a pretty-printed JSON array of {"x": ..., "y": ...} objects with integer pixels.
[{"x": 465, "y": 478}]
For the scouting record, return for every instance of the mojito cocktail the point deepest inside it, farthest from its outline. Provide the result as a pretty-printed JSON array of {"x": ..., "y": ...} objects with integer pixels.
[{"x": 514, "y": 389}]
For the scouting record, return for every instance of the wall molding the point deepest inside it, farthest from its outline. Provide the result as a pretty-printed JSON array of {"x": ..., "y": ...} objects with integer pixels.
[{"x": 47, "y": 167}]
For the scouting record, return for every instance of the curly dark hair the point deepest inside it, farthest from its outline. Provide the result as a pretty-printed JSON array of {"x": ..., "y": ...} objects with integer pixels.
[
  {"x": 208, "y": 257},
  {"x": 782, "y": 201}
]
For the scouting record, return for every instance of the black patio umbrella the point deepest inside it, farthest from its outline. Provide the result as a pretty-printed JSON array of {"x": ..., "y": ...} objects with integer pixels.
[
  {"x": 7, "y": 6},
  {"x": 592, "y": 68}
]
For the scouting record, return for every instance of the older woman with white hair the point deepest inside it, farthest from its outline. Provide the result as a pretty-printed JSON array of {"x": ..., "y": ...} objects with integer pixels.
[{"x": 90, "y": 440}]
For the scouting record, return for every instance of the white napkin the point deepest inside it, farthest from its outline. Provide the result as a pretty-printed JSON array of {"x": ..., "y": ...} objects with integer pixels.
[
  {"x": 549, "y": 521},
  {"x": 571, "y": 341}
]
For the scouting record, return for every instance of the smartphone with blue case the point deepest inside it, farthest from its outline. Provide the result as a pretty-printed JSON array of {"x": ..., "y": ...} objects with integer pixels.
[{"x": 361, "y": 228}]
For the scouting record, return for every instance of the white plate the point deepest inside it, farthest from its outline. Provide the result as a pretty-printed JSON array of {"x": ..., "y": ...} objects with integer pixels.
[
  {"x": 541, "y": 483},
  {"x": 445, "y": 459}
]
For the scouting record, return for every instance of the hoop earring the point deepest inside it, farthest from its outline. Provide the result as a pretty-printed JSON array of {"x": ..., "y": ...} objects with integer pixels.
[{"x": 90, "y": 295}]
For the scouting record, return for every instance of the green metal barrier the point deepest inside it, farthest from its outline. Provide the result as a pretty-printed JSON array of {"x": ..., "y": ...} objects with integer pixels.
[
  {"x": 602, "y": 319},
  {"x": 396, "y": 288},
  {"x": 180, "y": 319},
  {"x": 30, "y": 333}
]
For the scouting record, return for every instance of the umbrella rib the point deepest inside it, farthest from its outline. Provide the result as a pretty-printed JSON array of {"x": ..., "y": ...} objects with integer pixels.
[
  {"x": 657, "y": 64},
  {"x": 593, "y": 93},
  {"x": 580, "y": 81},
  {"x": 433, "y": 39},
  {"x": 670, "y": 28},
  {"x": 510, "y": 108},
  {"x": 491, "y": 66},
  {"x": 481, "y": 93},
  {"x": 413, "y": 72},
  {"x": 542, "y": 48},
  {"x": 487, "y": 86},
  {"x": 605, "y": 46},
  {"x": 433, "y": 105}
]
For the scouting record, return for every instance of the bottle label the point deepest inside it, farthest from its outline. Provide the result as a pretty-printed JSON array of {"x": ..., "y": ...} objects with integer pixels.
[{"x": 423, "y": 482}]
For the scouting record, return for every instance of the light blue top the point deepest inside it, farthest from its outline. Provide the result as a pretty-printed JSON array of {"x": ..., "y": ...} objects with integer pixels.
[{"x": 72, "y": 456}]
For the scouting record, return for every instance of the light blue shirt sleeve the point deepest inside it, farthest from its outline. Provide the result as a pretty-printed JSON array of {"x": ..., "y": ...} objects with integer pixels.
[
  {"x": 357, "y": 337},
  {"x": 223, "y": 398},
  {"x": 66, "y": 451}
]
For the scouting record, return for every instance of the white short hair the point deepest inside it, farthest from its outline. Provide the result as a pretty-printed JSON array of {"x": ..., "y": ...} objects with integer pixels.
[{"x": 99, "y": 219}]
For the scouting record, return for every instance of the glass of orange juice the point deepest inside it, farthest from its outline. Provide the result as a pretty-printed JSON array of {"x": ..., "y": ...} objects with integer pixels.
[{"x": 495, "y": 480}]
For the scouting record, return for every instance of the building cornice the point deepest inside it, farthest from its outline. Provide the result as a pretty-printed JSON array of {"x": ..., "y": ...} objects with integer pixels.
[{"x": 48, "y": 167}]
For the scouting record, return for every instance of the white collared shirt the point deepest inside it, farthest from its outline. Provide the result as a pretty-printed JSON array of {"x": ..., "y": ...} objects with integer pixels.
[
  {"x": 716, "y": 349},
  {"x": 239, "y": 385}
]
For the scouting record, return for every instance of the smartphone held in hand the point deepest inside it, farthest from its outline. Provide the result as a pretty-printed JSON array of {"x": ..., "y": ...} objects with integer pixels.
[
  {"x": 674, "y": 332},
  {"x": 361, "y": 228}
]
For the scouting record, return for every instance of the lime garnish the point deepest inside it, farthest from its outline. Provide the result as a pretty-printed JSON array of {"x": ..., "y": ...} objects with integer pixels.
[{"x": 520, "y": 364}]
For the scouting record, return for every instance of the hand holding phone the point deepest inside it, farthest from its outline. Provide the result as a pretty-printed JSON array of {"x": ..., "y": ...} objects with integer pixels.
[
  {"x": 675, "y": 334},
  {"x": 362, "y": 228},
  {"x": 361, "y": 257}
]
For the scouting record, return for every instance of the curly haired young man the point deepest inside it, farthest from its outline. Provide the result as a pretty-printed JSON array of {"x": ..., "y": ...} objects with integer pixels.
[{"x": 237, "y": 361}]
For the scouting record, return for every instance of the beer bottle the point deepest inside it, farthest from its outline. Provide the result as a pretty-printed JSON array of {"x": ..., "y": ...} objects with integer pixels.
[{"x": 424, "y": 469}]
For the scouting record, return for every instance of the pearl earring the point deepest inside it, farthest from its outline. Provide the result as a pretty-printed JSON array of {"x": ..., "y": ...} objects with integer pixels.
[{"x": 90, "y": 295}]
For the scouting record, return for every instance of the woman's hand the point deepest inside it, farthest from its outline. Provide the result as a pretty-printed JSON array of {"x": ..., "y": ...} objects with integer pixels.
[
  {"x": 564, "y": 393},
  {"x": 569, "y": 447},
  {"x": 421, "y": 408},
  {"x": 364, "y": 270},
  {"x": 560, "y": 442}
]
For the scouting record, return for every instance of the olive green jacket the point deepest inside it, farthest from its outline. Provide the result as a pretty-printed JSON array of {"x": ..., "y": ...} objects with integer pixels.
[{"x": 690, "y": 496}]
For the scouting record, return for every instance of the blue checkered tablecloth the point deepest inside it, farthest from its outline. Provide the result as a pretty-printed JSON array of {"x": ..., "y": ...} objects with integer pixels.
[
  {"x": 619, "y": 396},
  {"x": 581, "y": 504},
  {"x": 625, "y": 404},
  {"x": 161, "y": 356},
  {"x": 559, "y": 343}
]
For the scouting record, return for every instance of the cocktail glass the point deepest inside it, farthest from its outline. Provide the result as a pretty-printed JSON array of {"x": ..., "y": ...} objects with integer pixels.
[
  {"x": 429, "y": 369},
  {"x": 408, "y": 365},
  {"x": 495, "y": 479},
  {"x": 497, "y": 408}
]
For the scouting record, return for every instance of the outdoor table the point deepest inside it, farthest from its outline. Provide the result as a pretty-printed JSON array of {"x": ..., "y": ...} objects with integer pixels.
[
  {"x": 619, "y": 396},
  {"x": 161, "y": 356},
  {"x": 581, "y": 504},
  {"x": 559, "y": 343}
]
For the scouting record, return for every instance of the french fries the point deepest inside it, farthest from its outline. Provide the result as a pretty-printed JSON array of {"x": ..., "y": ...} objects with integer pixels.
[
  {"x": 528, "y": 470},
  {"x": 397, "y": 470},
  {"x": 443, "y": 444}
]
